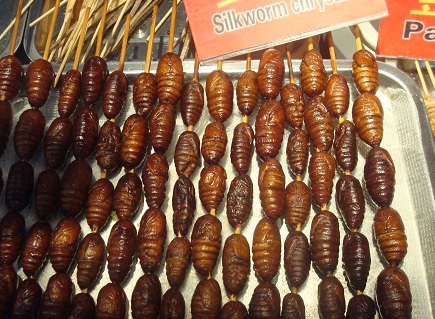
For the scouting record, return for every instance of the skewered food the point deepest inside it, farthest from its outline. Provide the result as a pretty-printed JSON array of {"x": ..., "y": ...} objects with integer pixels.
[
  {"x": 57, "y": 142},
  {"x": 144, "y": 93},
  {"x": 365, "y": 71},
  {"x": 155, "y": 174},
  {"x": 270, "y": 73},
  {"x": 12, "y": 231},
  {"x": 319, "y": 123},
  {"x": 162, "y": 125},
  {"x": 321, "y": 170},
  {"x": 57, "y": 297},
  {"x": 69, "y": 93},
  {"x": 362, "y": 307},
  {"x": 239, "y": 200},
  {"x": 247, "y": 92},
  {"x": 5, "y": 124},
  {"x": 28, "y": 133},
  {"x": 11, "y": 72},
  {"x": 269, "y": 129},
  {"x": 111, "y": 302},
  {"x": 187, "y": 155},
  {"x": 206, "y": 300},
  {"x": 337, "y": 95},
  {"x": 293, "y": 101},
  {"x": 293, "y": 307},
  {"x": 90, "y": 256},
  {"x": 8, "y": 289},
  {"x": 151, "y": 239},
  {"x": 173, "y": 305},
  {"x": 331, "y": 298},
  {"x": 146, "y": 297},
  {"x": 183, "y": 205},
  {"x": 297, "y": 152},
  {"x": 178, "y": 257},
  {"x": 212, "y": 184},
  {"x": 214, "y": 142},
  {"x": 265, "y": 302},
  {"x": 266, "y": 249},
  {"x": 27, "y": 300},
  {"x": 135, "y": 137},
  {"x": 346, "y": 152},
  {"x": 297, "y": 204},
  {"x": 19, "y": 186},
  {"x": 82, "y": 307},
  {"x": 99, "y": 203},
  {"x": 206, "y": 243},
  {"x": 350, "y": 201},
  {"x": 39, "y": 79},
  {"x": 108, "y": 148},
  {"x": 368, "y": 114},
  {"x": 114, "y": 94},
  {"x": 191, "y": 103},
  {"x": 170, "y": 78},
  {"x": 35, "y": 248},
  {"x": 241, "y": 147},
  {"x": 220, "y": 92},
  {"x": 313, "y": 73},
  {"x": 94, "y": 74},
  {"x": 271, "y": 181},
  {"x": 85, "y": 132},
  {"x": 356, "y": 259},
  {"x": 297, "y": 258},
  {"x": 127, "y": 196}
]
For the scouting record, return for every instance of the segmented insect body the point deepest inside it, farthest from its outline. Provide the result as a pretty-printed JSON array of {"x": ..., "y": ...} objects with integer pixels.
[
  {"x": 239, "y": 200},
  {"x": 242, "y": 147},
  {"x": 85, "y": 132},
  {"x": 99, "y": 203},
  {"x": 19, "y": 186},
  {"x": 57, "y": 142},
  {"x": 292, "y": 99},
  {"x": 146, "y": 297},
  {"x": 135, "y": 137},
  {"x": 206, "y": 299},
  {"x": 337, "y": 95},
  {"x": 187, "y": 155},
  {"x": 108, "y": 148},
  {"x": 11, "y": 72},
  {"x": 90, "y": 257},
  {"x": 219, "y": 90},
  {"x": 319, "y": 123},
  {"x": 170, "y": 78},
  {"x": 28, "y": 133},
  {"x": 265, "y": 301},
  {"x": 114, "y": 94},
  {"x": 247, "y": 92},
  {"x": 313, "y": 74},
  {"x": 94, "y": 75},
  {"x": 191, "y": 102},
  {"x": 144, "y": 93},
  {"x": 69, "y": 93},
  {"x": 270, "y": 73},
  {"x": 12, "y": 232},
  {"x": 154, "y": 177},
  {"x": 368, "y": 115},
  {"x": 365, "y": 71},
  {"x": 39, "y": 79}
]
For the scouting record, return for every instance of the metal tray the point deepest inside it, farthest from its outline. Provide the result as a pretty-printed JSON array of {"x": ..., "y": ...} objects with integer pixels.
[
  {"x": 407, "y": 137},
  {"x": 7, "y": 14}
]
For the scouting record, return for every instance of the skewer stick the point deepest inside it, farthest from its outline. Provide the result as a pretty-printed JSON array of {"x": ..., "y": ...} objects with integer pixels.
[
  {"x": 289, "y": 62},
  {"x": 81, "y": 40},
  {"x": 34, "y": 22},
  {"x": 51, "y": 30},
  {"x": 196, "y": 68},
  {"x": 421, "y": 77},
  {"x": 172, "y": 26},
  {"x": 12, "y": 23},
  {"x": 332, "y": 53},
  {"x": 219, "y": 65},
  {"x": 16, "y": 25},
  {"x": 101, "y": 30},
  {"x": 248, "y": 61},
  {"x": 151, "y": 42},
  {"x": 357, "y": 37},
  {"x": 124, "y": 43},
  {"x": 430, "y": 72},
  {"x": 310, "y": 43},
  {"x": 163, "y": 20},
  {"x": 429, "y": 103}
]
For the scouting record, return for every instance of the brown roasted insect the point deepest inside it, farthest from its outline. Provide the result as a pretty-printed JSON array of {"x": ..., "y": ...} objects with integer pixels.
[
  {"x": 297, "y": 258},
  {"x": 108, "y": 148},
  {"x": 8, "y": 289},
  {"x": 269, "y": 129},
  {"x": 173, "y": 305},
  {"x": 346, "y": 152},
  {"x": 57, "y": 297},
  {"x": 111, "y": 302},
  {"x": 331, "y": 298},
  {"x": 114, "y": 94},
  {"x": 239, "y": 200},
  {"x": 337, "y": 95},
  {"x": 85, "y": 132},
  {"x": 178, "y": 257},
  {"x": 28, "y": 133},
  {"x": 206, "y": 243},
  {"x": 11, "y": 72},
  {"x": 390, "y": 235},
  {"x": 321, "y": 170},
  {"x": 162, "y": 125},
  {"x": 293, "y": 101},
  {"x": 39, "y": 79},
  {"x": 74, "y": 187},
  {"x": 297, "y": 151},
  {"x": 292, "y": 307},
  {"x": 206, "y": 300},
  {"x": 63, "y": 244},
  {"x": 214, "y": 142},
  {"x": 241, "y": 147},
  {"x": 94, "y": 74},
  {"x": 35, "y": 248},
  {"x": 319, "y": 123},
  {"x": 144, "y": 93},
  {"x": 127, "y": 196},
  {"x": 265, "y": 302},
  {"x": 27, "y": 300},
  {"x": 247, "y": 92},
  {"x": 220, "y": 92},
  {"x": 379, "y": 176},
  {"x": 192, "y": 103},
  {"x": 155, "y": 174},
  {"x": 183, "y": 205},
  {"x": 19, "y": 186},
  {"x": 151, "y": 239},
  {"x": 90, "y": 257},
  {"x": 235, "y": 263},
  {"x": 57, "y": 142},
  {"x": 135, "y": 137},
  {"x": 356, "y": 259},
  {"x": 365, "y": 71},
  {"x": 361, "y": 306},
  {"x": 313, "y": 73},
  {"x": 393, "y": 294},
  {"x": 47, "y": 194},
  {"x": 121, "y": 247},
  {"x": 12, "y": 231},
  {"x": 350, "y": 201},
  {"x": 69, "y": 93},
  {"x": 368, "y": 114},
  {"x": 271, "y": 181},
  {"x": 212, "y": 184},
  {"x": 270, "y": 73},
  {"x": 297, "y": 204},
  {"x": 170, "y": 78},
  {"x": 234, "y": 309},
  {"x": 99, "y": 203},
  {"x": 5, "y": 124},
  {"x": 82, "y": 307},
  {"x": 325, "y": 241},
  {"x": 146, "y": 297},
  {"x": 266, "y": 249},
  {"x": 187, "y": 155}
]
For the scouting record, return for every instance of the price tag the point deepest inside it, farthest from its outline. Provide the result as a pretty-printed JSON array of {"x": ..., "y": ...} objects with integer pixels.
[
  {"x": 225, "y": 28},
  {"x": 409, "y": 30}
]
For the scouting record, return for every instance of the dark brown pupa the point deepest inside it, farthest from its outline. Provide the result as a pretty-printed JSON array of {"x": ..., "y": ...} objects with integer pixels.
[
  {"x": 178, "y": 256},
  {"x": 27, "y": 300},
  {"x": 345, "y": 148},
  {"x": 173, "y": 305},
  {"x": 361, "y": 307},
  {"x": 313, "y": 73},
  {"x": 368, "y": 116},
  {"x": 135, "y": 138},
  {"x": 11, "y": 72},
  {"x": 108, "y": 148},
  {"x": 321, "y": 171},
  {"x": 212, "y": 184},
  {"x": 206, "y": 300},
  {"x": 99, "y": 203},
  {"x": 319, "y": 123},
  {"x": 162, "y": 125},
  {"x": 39, "y": 79},
  {"x": 293, "y": 101},
  {"x": 365, "y": 71},
  {"x": 350, "y": 201},
  {"x": 12, "y": 232},
  {"x": 8, "y": 285},
  {"x": 57, "y": 297},
  {"x": 247, "y": 92},
  {"x": 82, "y": 307},
  {"x": 151, "y": 239},
  {"x": 234, "y": 309},
  {"x": 297, "y": 152},
  {"x": 270, "y": 73},
  {"x": 90, "y": 257},
  {"x": 191, "y": 103},
  {"x": 269, "y": 129},
  {"x": 265, "y": 302},
  {"x": 146, "y": 297},
  {"x": 242, "y": 147},
  {"x": 239, "y": 200},
  {"x": 297, "y": 204},
  {"x": 144, "y": 93},
  {"x": 114, "y": 94},
  {"x": 69, "y": 93},
  {"x": 94, "y": 74},
  {"x": 5, "y": 124},
  {"x": 331, "y": 298},
  {"x": 155, "y": 174},
  {"x": 220, "y": 92},
  {"x": 127, "y": 196},
  {"x": 170, "y": 78},
  {"x": 214, "y": 142},
  {"x": 183, "y": 205},
  {"x": 85, "y": 133},
  {"x": 111, "y": 302},
  {"x": 47, "y": 194},
  {"x": 337, "y": 95},
  {"x": 19, "y": 186},
  {"x": 187, "y": 155},
  {"x": 293, "y": 307},
  {"x": 28, "y": 133},
  {"x": 57, "y": 142},
  {"x": 297, "y": 258}
]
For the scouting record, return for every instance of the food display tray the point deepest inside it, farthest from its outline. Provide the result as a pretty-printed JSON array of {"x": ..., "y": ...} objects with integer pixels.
[
  {"x": 406, "y": 136},
  {"x": 7, "y": 14}
]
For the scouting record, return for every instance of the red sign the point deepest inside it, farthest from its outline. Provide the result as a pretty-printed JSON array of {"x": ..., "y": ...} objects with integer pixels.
[
  {"x": 225, "y": 28},
  {"x": 409, "y": 30}
]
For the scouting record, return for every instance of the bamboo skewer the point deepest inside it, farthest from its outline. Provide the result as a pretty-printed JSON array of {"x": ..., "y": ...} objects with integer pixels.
[
  {"x": 310, "y": 44},
  {"x": 101, "y": 29},
  {"x": 47, "y": 13},
  {"x": 163, "y": 20},
  {"x": 429, "y": 103},
  {"x": 430, "y": 72},
  {"x": 172, "y": 26},
  {"x": 289, "y": 63},
  {"x": 16, "y": 25},
  {"x": 332, "y": 53},
  {"x": 12, "y": 23},
  {"x": 51, "y": 30},
  {"x": 148, "y": 57},
  {"x": 357, "y": 37},
  {"x": 124, "y": 43}
]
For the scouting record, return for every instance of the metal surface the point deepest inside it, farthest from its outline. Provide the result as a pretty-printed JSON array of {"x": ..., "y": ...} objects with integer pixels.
[
  {"x": 7, "y": 14},
  {"x": 406, "y": 136}
]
